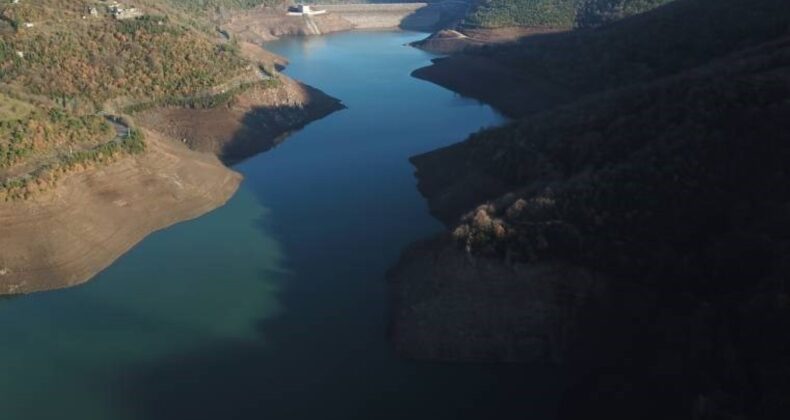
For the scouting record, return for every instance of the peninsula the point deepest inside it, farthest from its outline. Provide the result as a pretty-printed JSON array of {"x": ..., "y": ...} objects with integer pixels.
[{"x": 74, "y": 192}]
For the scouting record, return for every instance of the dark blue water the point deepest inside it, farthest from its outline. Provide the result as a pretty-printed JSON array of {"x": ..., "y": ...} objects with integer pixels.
[{"x": 274, "y": 306}]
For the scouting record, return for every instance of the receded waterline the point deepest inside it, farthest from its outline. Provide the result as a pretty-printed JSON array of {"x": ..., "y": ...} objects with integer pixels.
[{"x": 274, "y": 306}]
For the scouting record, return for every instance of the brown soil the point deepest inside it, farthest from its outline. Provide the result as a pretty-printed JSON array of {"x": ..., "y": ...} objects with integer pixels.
[
  {"x": 254, "y": 122},
  {"x": 65, "y": 236}
]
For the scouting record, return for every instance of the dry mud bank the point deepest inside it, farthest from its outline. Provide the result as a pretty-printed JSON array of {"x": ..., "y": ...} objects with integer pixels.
[{"x": 65, "y": 236}]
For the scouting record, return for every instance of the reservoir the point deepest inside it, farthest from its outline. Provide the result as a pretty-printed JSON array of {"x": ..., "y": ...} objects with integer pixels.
[{"x": 275, "y": 305}]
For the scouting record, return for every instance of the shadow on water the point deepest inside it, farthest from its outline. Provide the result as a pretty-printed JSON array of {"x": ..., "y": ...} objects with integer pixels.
[
  {"x": 266, "y": 121},
  {"x": 326, "y": 355},
  {"x": 341, "y": 203}
]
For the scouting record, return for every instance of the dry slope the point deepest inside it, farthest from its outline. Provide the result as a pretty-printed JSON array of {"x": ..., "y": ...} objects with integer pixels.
[{"x": 65, "y": 236}]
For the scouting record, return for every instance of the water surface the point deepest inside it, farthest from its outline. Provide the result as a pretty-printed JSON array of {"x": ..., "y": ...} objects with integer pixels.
[{"x": 274, "y": 306}]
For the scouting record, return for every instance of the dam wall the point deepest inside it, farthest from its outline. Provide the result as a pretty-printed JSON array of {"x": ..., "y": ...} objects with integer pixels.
[
  {"x": 266, "y": 24},
  {"x": 417, "y": 16}
]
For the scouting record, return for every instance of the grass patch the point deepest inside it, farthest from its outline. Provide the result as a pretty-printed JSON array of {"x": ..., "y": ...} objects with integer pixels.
[{"x": 13, "y": 109}]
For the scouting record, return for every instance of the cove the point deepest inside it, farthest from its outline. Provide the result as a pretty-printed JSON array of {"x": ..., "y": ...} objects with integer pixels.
[{"x": 274, "y": 306}]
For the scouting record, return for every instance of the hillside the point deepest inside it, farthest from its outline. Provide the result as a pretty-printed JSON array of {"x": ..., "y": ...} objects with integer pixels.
[
  {"x": 98, "y": 113},
  {"x": 61, "y": 64},
  {"x": 491, "y": 22},
  {"x": 554, "y": 13},
  {"x": 561, "y": 67},
  {"x": 635, "y": 229}
]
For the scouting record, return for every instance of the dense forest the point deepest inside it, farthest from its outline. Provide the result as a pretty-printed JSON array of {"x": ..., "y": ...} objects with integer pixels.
[{"x": 555, "y": 13}]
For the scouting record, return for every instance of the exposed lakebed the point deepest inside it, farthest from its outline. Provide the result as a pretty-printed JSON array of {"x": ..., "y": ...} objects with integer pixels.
[{"x": 274, "y": 306}]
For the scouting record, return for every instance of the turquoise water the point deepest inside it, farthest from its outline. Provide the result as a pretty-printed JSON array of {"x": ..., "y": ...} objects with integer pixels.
[{"x": 274, "y": 306}]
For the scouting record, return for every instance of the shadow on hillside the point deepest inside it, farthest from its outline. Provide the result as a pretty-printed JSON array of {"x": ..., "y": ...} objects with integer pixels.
[
  {"x": 433, "y": 17},
  {"x": 264, "y": 128}
]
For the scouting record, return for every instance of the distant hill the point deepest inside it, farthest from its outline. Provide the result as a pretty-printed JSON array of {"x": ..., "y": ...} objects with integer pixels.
[
  {"x": 554, "y": 13},
  {"x": 557, "y": 68}
]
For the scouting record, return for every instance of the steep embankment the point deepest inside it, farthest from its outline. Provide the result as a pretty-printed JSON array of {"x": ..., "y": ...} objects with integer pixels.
[{"x": 638, "y": 235}]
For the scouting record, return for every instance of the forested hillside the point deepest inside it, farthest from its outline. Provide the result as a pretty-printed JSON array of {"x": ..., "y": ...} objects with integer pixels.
[
  {"x": 62, "y": 62},
  {"x": 560, "y": 67},
  {"x": 663, "y": 173},
  {"x": 555, "y": 13}
]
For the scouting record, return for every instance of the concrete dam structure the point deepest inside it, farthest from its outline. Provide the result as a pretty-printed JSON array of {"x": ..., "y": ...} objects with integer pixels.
[
  {"x": 418, "y": 16},
  {"x": 266, "y": 24}
]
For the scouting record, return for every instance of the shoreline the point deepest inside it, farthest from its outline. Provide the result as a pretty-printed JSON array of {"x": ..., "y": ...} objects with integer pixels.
[
  {"x": 185, "y": 173},
  {"x": 66, "y": 235}
]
